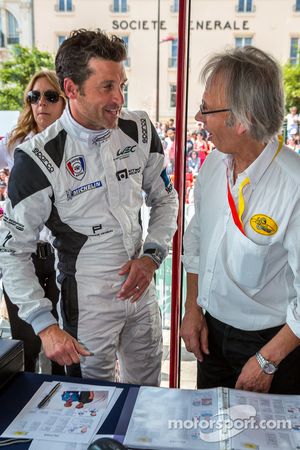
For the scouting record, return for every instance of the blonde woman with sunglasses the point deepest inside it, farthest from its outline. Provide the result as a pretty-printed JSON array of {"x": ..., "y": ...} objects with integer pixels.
[{"x": 44, "y": 103}]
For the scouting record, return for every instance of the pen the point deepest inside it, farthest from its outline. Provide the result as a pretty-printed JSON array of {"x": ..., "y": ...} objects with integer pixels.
[{"x": 48, "y": 396}]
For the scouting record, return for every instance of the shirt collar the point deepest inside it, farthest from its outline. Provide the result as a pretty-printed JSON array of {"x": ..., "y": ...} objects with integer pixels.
[{"x": 256, "y": 170}]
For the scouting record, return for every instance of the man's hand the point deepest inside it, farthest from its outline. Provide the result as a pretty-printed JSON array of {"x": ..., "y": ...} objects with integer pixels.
[
  {"x": 194, "y": 332},
  {"x": 59, "y": 346},
  {"x": 252, "y": 378},
  {"x": 140, "y": 273}
]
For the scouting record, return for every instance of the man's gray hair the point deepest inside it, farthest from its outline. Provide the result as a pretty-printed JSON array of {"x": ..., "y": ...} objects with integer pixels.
[{"x": 253, "y": 88}]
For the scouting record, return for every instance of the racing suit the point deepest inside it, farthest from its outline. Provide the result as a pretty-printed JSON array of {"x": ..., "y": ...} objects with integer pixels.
[
  {"x": 87, "y": 187},
  {"x": 43, "y": 260}
]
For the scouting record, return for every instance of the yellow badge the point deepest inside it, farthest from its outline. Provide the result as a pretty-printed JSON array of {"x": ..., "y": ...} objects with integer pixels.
[{"x": 263, "y": 224}]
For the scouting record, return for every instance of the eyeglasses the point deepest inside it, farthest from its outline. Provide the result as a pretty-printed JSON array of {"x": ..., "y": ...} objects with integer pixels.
[
  {"x": 212, "y": 111},
  {"x": 34, "y": 96}
]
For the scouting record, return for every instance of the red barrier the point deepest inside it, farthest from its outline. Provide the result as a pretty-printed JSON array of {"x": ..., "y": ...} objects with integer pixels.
[{"x": 181, "y": 118}]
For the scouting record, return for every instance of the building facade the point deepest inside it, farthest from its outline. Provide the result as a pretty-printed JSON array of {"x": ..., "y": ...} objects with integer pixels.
[
  {"x": 16, "y": 25},
  {"x": 272, "y": 25}
]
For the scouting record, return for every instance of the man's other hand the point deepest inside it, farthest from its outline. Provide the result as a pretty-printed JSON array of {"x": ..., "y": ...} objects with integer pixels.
[
  {"x": 194, "y": 332},
  {"x": 140, "y": 273},
  {"x": 61, "y": 347},
  {"x": 252, "y": 378}
]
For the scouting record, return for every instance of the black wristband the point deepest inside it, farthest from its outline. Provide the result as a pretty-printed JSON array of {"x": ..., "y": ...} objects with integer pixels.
[{"x": 156, "y": 254}]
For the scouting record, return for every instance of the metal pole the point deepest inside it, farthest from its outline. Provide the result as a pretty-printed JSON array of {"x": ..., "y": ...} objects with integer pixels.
[
  {"x": 181, "y": 118},
  {"x": 157, "y": 62},
  {"x": 32, "y": 24}
]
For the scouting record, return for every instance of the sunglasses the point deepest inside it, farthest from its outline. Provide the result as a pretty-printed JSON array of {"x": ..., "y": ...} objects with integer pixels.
[{"x": 34, "y": 96}]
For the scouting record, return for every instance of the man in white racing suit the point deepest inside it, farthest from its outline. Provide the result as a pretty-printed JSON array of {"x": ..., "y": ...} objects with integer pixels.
[{"x": 84, "y": 178}]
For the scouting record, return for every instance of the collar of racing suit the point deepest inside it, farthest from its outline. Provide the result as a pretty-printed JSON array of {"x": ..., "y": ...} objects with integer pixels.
[{"x": 91, "y": 137}]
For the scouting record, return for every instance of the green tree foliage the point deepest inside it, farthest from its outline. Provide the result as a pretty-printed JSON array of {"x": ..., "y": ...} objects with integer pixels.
[
  {"x": 291, "y": 75},
  {"x": 17, "y": 71}
]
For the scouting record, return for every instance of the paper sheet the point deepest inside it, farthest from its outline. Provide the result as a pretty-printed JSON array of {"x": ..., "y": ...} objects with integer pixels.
[
  {"x": 158, "y": 410},
  {"x": 273, "y": 410},
  {"x": 73, "y": 414},
  {"x": 38, "y": 445}
]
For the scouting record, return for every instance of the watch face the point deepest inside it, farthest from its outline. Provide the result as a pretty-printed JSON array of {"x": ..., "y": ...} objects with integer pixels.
[{"x": 269, "y": 368}]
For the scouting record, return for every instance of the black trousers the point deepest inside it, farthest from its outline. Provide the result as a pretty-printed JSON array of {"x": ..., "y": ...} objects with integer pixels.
[
  {"x": 44, "y": 269},
  {"x": 230, "y": 348}
]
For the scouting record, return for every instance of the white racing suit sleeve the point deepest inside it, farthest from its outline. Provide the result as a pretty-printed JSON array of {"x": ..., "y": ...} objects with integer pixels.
[
  {"x": 161, "y": 197},
  {"x": 191, "y": 239},
  {"x": 27, "y": 208}
]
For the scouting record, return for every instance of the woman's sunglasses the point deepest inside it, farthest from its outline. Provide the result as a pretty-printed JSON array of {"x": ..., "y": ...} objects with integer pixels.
[{"x": 34, "y": 96}]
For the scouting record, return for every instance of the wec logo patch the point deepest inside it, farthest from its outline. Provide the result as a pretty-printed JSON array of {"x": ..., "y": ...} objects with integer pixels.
[{"x": 125, "y": 152}]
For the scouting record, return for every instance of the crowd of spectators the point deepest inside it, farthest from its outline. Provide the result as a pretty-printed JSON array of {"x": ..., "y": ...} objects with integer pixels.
[
  {"x": 197, "y": 147},
  {"x": 293, "y": 129}
]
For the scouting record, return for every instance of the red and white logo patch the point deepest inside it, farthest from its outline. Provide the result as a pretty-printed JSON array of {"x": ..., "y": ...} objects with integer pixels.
[{"x": 76, "y": 167}]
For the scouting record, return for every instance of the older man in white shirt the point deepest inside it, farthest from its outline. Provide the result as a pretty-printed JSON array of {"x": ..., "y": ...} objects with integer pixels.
[{"x": 241, "y": 249}]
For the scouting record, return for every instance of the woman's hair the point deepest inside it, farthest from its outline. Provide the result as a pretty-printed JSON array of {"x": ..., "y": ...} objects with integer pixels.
[
  {"x": 254, "y": 89},
  {"x": 26, "y": 122}
]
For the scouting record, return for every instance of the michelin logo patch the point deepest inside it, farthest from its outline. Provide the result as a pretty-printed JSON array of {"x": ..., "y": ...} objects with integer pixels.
[
  {"x": 76, "y": 167},
  {"x": 81, "y": 189}
]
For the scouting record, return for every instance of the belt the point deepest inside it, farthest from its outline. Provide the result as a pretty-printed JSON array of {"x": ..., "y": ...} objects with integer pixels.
[{"x": 44, "y": 250}]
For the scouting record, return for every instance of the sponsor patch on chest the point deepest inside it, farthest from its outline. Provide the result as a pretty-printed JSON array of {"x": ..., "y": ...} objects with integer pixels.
[
  {"x": 76, "y": 167},
  {"x": 263, "y": 224},
  {"x": 123, "y": 153},
  {"x": 71, "y": 193}
]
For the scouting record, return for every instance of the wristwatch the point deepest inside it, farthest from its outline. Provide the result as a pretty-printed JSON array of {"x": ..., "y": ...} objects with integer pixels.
[
  {"x": 155, "y": 254},
  {"x": 267, "y": 366}
]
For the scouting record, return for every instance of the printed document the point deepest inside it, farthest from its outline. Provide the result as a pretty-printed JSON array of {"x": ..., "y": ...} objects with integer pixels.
[
  {"x": 72, "y": 414},
  {"x": 210, "y": 419}
]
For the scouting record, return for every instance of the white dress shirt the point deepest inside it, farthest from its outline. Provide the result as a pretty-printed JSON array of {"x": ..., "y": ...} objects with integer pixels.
[{"x": 250, "y": 281}]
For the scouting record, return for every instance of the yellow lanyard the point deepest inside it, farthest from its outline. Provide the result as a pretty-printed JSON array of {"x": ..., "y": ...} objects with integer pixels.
[{"x": 237, "y": 215}]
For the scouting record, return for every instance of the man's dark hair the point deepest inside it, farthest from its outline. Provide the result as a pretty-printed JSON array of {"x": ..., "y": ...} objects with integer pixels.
[{"x": 75, "y": 52}]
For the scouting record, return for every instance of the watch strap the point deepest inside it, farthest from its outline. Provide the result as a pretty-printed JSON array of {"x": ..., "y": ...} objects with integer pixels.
[
  {"x": 262, "y": 361},
  {"x": 155, "y": 254}
]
